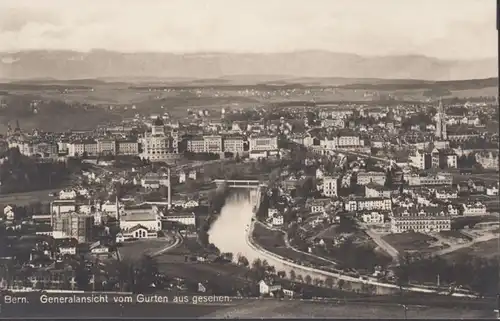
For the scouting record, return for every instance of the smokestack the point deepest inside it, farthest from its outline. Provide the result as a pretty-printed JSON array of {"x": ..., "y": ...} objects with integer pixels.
[
  {"x": 117, "y": 209},
  {"x": 169, "y": 194}
]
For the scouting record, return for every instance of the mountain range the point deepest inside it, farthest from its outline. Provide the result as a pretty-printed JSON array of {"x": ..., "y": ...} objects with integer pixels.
[{"x": 100, "y": 64}]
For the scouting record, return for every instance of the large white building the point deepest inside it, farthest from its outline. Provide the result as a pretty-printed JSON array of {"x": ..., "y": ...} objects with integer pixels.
[
  {"x": 145, "y": 215},
  {"x": 263, "y": 143},
  {"x": 330, "y": 186},
  {"x": 234, "y": 144},
  {"x": 423, "y": 220},
  {"x": 158, "y": 145}
]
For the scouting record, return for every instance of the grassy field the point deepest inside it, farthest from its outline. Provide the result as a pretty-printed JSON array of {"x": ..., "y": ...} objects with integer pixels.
[
  {"x": 136, "y": 249},
  {"x": 488, "y": 249},
  {"x": 298, "y": 309},
  {"x": 454, "y": 235},
  {"x": 273, "y": 241},
  {"x": 409, "y": 241},
  {"x": 26, "y": 198}
]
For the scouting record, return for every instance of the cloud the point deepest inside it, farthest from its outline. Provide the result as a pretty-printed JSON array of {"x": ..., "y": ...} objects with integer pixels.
[{"x": 366, "y": 27}]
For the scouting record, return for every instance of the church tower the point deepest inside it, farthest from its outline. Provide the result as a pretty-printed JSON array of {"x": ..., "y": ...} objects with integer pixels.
[{"x": 441, "y": 132}]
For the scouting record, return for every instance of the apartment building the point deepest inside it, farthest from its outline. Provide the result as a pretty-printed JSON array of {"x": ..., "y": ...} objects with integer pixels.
[
  {"x": 430, "y": 180},
  {"x": 365, "y": 178},
  {"x": 421, "y": 160},
  {"x": 369, "y": 204},
  {"x": 213, "y": 144},
  {"x": 127, "y": 147},
  {"x": 73, "y": 225},
  {"x": 476, "y": 208},
  {"x": 196, "y": 145},
  {"x": 443, "y": 158},
  {"x": 106, "y": 146},
  {"x": 263, "y": 143},
  {"x": 488, "y": 159},
  {"x": 424, "y": 220},
  {"x": 234, "y": 144},
  {"x": 330, "y": 186}
]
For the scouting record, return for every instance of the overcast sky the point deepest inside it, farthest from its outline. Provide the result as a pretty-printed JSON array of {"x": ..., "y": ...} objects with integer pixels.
[{"x": 456, "y": 29}]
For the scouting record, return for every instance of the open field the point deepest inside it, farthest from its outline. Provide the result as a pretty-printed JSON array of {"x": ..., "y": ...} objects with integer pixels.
[
  {"x": 300, "y": 309},
  {"x": 136, "y": 249},
  {"x": 488, "y": 249},
  {"x": 273, "y": 241},
  {"x": 410, "y": 241},
  {"x": 25, "y": 198},
  {"x": 454, "y": 236}
]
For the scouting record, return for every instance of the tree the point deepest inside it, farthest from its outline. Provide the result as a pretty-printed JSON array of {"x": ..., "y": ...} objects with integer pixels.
[
  {"x": 293, "y": 276},
  {"x": 300, "y": 279},
  {"x": 163, "y": 191},
  {"x": 147, "y": 272},
  {"x": 341, "y": 284},
  {"x": 329, "y": 282},
  {"x": 242, "y": 261},
  {"x": 281, "y": 274},
  {"x": 308, "y": 279},
  {"x": 256, "y": 264},
  {"x": 82, "y": 276}
]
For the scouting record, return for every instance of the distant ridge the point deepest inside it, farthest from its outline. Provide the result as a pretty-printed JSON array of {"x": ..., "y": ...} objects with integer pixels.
[{"x": 98, "y": 64}]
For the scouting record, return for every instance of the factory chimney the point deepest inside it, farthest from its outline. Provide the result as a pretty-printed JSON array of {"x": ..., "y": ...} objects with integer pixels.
[
  {"x": 169, "y": 194},
  {"x": 117, "y": 209}
]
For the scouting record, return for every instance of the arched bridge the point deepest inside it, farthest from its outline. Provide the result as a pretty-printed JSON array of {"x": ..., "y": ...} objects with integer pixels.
[{"x": 239, "y": 183}]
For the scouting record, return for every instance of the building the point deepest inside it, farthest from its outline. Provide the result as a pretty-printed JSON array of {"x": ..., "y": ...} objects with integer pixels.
[
  {"x": 183, "y": 217},
  {"x": 430, "y": 180},
  {"x": 318, "y": 205},
  {"x": 368, "y": 204},
  {"x": 212, "y": 144},
  {"x": 372, "y": 218},
  {"x": 330, "y": 186},
  {"x": 83, "y": 148},
  {"x": 73, "y": 225},
  {"x": 376, "y": 191},
  {"x": 106, "y": 146},
  {"x": 445, "y": 193},
  {"x": 443, "y": 158},
  {"x": 196, "y": 145},
  {"x": 424, "y": 220},
  {"x": 471, "y": 209},
  {"x": 365, "y": 178},
  {"x": 266, "y": 288},
  {"x": 62, "y": 206},
  {"x": 263, "y": 143},
  {"x": 488, "y": 159},
  {"x": 157, "y": 145},
  {"x": 136, "y": 232},
  {"x": 421, "y": 160},
  {"x": 234, "y": 144},
  {"x": 277, "y": 220},
  {"x": 341, "y": 140},
  {"x": 127, "y": 147},
  {"x": 145, "y": 215}
]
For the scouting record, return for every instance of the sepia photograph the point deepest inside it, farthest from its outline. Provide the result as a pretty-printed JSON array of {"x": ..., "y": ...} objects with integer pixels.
[{"x": 226, "y": 159}]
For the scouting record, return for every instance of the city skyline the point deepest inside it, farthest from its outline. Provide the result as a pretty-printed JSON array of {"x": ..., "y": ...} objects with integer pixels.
[{"x": 445, "y": 29}]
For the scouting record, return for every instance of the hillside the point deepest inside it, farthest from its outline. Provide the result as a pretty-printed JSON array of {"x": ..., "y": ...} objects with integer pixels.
[{"x": 314, "y": 64}]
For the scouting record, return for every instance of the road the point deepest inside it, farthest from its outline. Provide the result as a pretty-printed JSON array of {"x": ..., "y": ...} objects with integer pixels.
[
  {"x": 285, "y": 264},
  {"x": 388, "y": 248},
  {"x": 288, "y": 245}
]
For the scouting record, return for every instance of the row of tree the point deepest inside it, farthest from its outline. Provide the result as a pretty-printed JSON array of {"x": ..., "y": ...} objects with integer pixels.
[
  {"x": 470, "y": 272},
  {"x": 19, "y": 173}
]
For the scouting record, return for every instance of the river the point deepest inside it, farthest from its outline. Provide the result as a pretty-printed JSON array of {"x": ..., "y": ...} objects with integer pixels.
[{"x": 229, "y": 233}]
